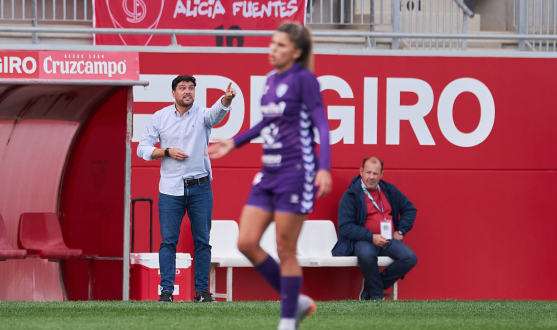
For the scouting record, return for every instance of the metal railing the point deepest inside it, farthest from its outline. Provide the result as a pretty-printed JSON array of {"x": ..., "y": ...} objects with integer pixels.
[
  {"x": 349, "y": 12},
  {"x": 417, "y": 24},
  {"x": 405, "y": 16},
  {"x": 537, "y": 18},
  {"x": 60, "y": 11},
  {"x": 248, "y": 33},
  {"x": 445, "y": 17},
  {"x": 35, "y": 11}
]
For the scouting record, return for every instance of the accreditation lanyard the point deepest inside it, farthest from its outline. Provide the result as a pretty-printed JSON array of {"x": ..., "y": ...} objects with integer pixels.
[{"x": 374, "y": 203}]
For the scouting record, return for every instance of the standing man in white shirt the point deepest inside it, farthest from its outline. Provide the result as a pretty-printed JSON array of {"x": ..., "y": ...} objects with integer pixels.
[{"x": 185, "y": 185}]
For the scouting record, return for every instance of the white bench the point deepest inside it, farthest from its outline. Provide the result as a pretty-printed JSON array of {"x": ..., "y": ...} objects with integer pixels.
[
  {"x": 317, "y": 239},
  {"x": 225, "y": 253},
  {"x": 269, "y": 244},
  {"x": 315, "y": 243}
]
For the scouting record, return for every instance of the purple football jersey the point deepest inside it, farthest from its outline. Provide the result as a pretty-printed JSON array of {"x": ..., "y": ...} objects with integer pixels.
[{"x": 292, "y": 107}]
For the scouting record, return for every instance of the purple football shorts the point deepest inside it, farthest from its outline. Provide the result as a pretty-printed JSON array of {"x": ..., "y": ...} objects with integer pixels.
[{"x": 283, "y": 194}]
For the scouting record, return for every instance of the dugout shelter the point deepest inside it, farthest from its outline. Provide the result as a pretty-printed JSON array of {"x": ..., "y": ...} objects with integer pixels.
[{"x": 65, "y": 148}]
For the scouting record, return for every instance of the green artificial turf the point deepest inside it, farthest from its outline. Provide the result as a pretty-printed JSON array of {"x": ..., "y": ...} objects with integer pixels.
[{"x": 264, "y": 315}]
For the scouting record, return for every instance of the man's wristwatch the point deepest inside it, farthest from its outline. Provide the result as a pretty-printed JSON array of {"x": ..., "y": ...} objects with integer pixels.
[
  {"x": 166, "y": 152},
  {"x": 400, "y": 233}
]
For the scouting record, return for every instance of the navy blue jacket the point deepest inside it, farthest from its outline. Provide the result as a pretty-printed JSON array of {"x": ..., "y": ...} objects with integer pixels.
[{"x": 352, "y": 214}]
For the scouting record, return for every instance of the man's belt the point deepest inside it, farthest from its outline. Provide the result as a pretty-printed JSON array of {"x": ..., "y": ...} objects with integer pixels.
[{"x": 189, "y": 182}]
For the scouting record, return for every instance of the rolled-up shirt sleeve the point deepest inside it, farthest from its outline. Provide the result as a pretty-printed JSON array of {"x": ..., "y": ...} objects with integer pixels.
[
  {"x": 149, "y": 139},
  {"x": 215, "y": 114}
]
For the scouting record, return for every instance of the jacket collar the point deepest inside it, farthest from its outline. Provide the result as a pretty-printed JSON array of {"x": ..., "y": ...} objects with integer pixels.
[{"x": 356, "y": 187}]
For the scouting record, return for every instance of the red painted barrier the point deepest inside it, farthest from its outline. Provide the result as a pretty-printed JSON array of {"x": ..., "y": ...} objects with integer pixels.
[{"x": 470, "y": 140}]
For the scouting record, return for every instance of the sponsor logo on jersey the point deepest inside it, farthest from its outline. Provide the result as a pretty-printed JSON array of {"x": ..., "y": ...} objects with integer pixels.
[
  {"x": 272, "y": 160},
  {"x": 270, "y": 134},
  {"x": 273, "y": 110}
]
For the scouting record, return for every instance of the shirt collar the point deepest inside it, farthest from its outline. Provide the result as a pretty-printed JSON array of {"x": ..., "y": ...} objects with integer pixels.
[
  {"x": 177, "y": 114},
  {"x": 291, "y": 69}
]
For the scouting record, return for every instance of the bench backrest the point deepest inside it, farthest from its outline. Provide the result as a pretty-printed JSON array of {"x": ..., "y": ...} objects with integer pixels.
[
  {"x": 317, "y": 238},
  {"x": 224, "y": 238},
  {"x": 4, "y": 244},
  {"x": 40, "y": 231},
  {"x": 269, "y": 241}
]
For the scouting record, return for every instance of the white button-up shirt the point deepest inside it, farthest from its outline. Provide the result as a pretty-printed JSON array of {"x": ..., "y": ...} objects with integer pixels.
[{"x": 190, "y": 133}]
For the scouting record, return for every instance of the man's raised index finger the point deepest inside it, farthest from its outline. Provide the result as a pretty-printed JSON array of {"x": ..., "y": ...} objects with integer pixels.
[{"x": 229, "y": 85}]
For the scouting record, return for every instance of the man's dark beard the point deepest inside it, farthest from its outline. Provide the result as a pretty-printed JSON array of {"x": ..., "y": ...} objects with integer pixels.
[{"x": 183, "y": 104}]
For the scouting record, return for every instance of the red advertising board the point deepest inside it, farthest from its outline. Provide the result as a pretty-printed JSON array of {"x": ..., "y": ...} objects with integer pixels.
[
  {"x": 469, "y": 140},
  {"x": 194, "y": 14},
  {"x": 427, "y": 111},
  {"x": 69, "y": 65}
]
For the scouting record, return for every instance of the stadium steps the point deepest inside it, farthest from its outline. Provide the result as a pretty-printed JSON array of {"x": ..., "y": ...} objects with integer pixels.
[{"x": 47, "y": 38}]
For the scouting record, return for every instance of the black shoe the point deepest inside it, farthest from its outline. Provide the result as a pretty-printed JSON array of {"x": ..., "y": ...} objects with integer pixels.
[
  {"x": 166, "y": 297},
  {"x": 204, "y": 296},
  {"x": 364, "y": 295}
]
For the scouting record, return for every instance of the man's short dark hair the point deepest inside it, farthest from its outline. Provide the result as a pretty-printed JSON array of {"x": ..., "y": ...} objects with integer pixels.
[
  {"x": 374, "y": 158},
  {"x": 185, "y": 78}
]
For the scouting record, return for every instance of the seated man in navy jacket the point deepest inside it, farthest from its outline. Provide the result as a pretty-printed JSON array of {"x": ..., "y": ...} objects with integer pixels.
[{"x": 369, "y": 208}]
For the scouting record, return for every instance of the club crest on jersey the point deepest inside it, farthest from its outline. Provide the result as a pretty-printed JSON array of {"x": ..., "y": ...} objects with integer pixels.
[{"x": 281, "y": 90}]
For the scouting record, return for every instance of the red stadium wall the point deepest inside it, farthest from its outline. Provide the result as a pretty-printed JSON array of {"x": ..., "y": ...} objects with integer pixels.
[
  {"x": 470, "y": 140},
  {"x": 485, "y": 211}
]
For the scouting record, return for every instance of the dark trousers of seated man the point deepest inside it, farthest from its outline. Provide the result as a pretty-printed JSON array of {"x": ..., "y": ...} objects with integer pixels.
[{"x": 375, "y": 281}]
